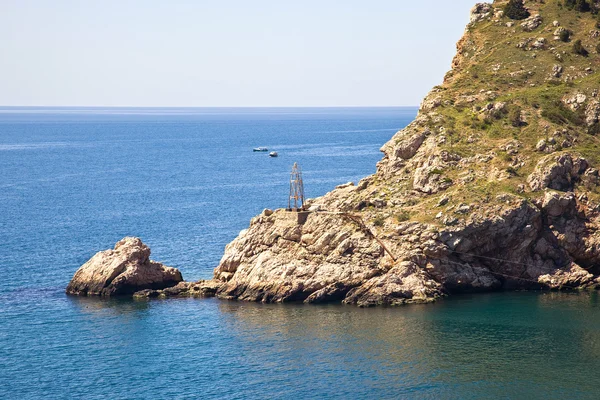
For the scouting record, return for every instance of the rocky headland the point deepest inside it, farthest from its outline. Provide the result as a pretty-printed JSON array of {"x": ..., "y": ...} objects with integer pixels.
[{"x": 494, "y": 185}]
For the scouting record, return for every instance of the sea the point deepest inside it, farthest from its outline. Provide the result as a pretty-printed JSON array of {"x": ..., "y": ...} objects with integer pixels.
[{"x": 73, "y": 181}]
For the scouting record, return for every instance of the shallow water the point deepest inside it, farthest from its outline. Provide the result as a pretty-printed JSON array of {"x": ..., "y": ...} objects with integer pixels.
[{"x": 74, "y": 181}]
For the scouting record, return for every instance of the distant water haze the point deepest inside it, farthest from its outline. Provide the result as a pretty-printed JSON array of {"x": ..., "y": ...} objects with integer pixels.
[{"x": 225, "y": 53}]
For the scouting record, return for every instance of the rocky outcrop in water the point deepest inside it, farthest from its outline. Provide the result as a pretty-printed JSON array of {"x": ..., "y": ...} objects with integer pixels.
[
  {"x": 122, "y": 271},
  {"x": 492, "y": 187}
]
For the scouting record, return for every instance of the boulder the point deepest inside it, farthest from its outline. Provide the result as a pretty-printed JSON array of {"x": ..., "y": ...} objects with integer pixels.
[
  {"x": 408, "y": 147},
  {"x": 532, "y": 23},
  {"x": 557, "y": 71},
  {"x": 557, "y": 172},
  {"x": 556, "y": 205},
  {"x": 592, "y": 113},
  {"x": 575, "y": 101},
  {"x": 122, "y": 271},
  {"x": 479, "y": 12},
  {"x": 430, "y": 102}
]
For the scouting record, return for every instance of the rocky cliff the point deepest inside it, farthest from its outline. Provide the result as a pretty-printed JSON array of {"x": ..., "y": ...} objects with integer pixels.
[{"x": 493, "y": 186}]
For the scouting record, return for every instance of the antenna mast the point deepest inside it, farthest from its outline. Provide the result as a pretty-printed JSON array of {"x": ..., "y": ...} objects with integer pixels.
[{"x": 296, "y": 199}]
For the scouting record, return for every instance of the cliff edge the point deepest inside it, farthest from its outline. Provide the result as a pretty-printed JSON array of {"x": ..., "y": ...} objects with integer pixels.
[{"x": 493, "y": 186}]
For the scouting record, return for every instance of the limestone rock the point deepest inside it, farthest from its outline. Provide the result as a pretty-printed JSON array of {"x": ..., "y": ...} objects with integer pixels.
[
  {"x": 430, "y": 103},
  {"x": 592, "y": 113},
  {"x": 557, "y": 71},
  {"x": 557, "y": 172},
  {"x": 408, "y": 147},
  {"x": 345, "y": 185},
  {"x": 575, "y": 101},
  {"x": 558, "y": 31},
  {"x": 480, "y": 11},
  {"x": 330, "y": 293},
  {"x": 567, "y": 278},
  {"x": 539, "y": 44},
  {"x": 406, "y": 283},
  {"x": 122, "y": 271},
  {"x": 541, "y": 145},
  {"x": 556, "y": 205},
  {"x": 428, "y": 177},
  {"x": 532, "y": 23},
  {"x": 206, "y": 288}
]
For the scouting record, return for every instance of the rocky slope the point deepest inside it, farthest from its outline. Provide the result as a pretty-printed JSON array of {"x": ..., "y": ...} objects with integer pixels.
[
  {"x": 122, "y": 271},
  {"x": 493, "y": 186}
]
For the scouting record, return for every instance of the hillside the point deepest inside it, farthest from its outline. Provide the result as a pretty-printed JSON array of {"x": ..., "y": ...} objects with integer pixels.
[{"x": 494, "y": 185}]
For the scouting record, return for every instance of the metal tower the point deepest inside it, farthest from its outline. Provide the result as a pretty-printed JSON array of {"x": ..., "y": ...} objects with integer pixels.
[{"x": 296, "y": 199}]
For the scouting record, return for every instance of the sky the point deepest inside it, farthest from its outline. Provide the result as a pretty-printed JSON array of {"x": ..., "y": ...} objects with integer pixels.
[{"x": 225, "y": 53}]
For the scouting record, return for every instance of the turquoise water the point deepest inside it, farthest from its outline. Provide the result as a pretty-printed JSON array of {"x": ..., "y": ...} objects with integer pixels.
[{"x": 74, "y": 181}]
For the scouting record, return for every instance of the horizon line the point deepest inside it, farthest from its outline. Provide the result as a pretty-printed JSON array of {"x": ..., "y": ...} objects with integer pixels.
[{"x": 209, "y": 107}]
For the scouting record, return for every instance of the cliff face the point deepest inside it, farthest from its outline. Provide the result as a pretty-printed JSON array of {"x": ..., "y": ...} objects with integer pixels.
[{"x": 493, "y": 186}]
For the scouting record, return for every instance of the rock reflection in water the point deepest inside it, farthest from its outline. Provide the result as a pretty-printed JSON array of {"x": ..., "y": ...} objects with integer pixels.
[
  {"x": 502, "y": 345},
  {"x": 524, "y": 344},
  {"x": 374, "y": 348},
  {"x": 107, "y": 305}
]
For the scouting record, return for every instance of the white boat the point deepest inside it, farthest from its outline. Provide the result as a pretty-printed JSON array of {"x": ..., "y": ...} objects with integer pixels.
[
  {"x": 260, "y": 149},
  {"x": 273, "y": 154}
]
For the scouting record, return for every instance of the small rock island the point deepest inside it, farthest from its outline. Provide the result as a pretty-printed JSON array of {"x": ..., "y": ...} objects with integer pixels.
[{"x": 122, "y": 271}]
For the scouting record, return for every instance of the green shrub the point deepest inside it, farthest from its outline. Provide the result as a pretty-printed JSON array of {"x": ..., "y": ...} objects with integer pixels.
[
  {"x": 598, "y": 48},
  {"x": 512, "y": 171},
  {"x": 564, "y": 35},
  {"x": 579, "y": 49},
  {"x": 478, "y": 124},
  {"x": 379, "y": 220},
  {"x": 402, "y": 216},
  {"x": 514, "y": 116},
  {"x": 557, "y": 113},
  {"x": 506, "y": 157},
  {"x": 583, "y": 6},
  {"x": 516, "y": 10},
  {"x": 579, "y": 5},
  {"x": 594, "y": 129}
]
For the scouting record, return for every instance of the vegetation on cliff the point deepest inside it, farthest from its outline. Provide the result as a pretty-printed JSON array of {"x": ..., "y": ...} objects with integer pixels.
[
  {"x": 517, "y": 92},
  {"x": 515, "y": 9}
]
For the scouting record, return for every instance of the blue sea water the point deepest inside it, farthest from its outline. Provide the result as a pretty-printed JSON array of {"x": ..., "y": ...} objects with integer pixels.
[{"x": 73, "y": 181}]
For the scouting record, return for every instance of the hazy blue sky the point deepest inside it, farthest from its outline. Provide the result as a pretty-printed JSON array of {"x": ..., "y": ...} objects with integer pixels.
[{"x": 226, "y": 52}]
